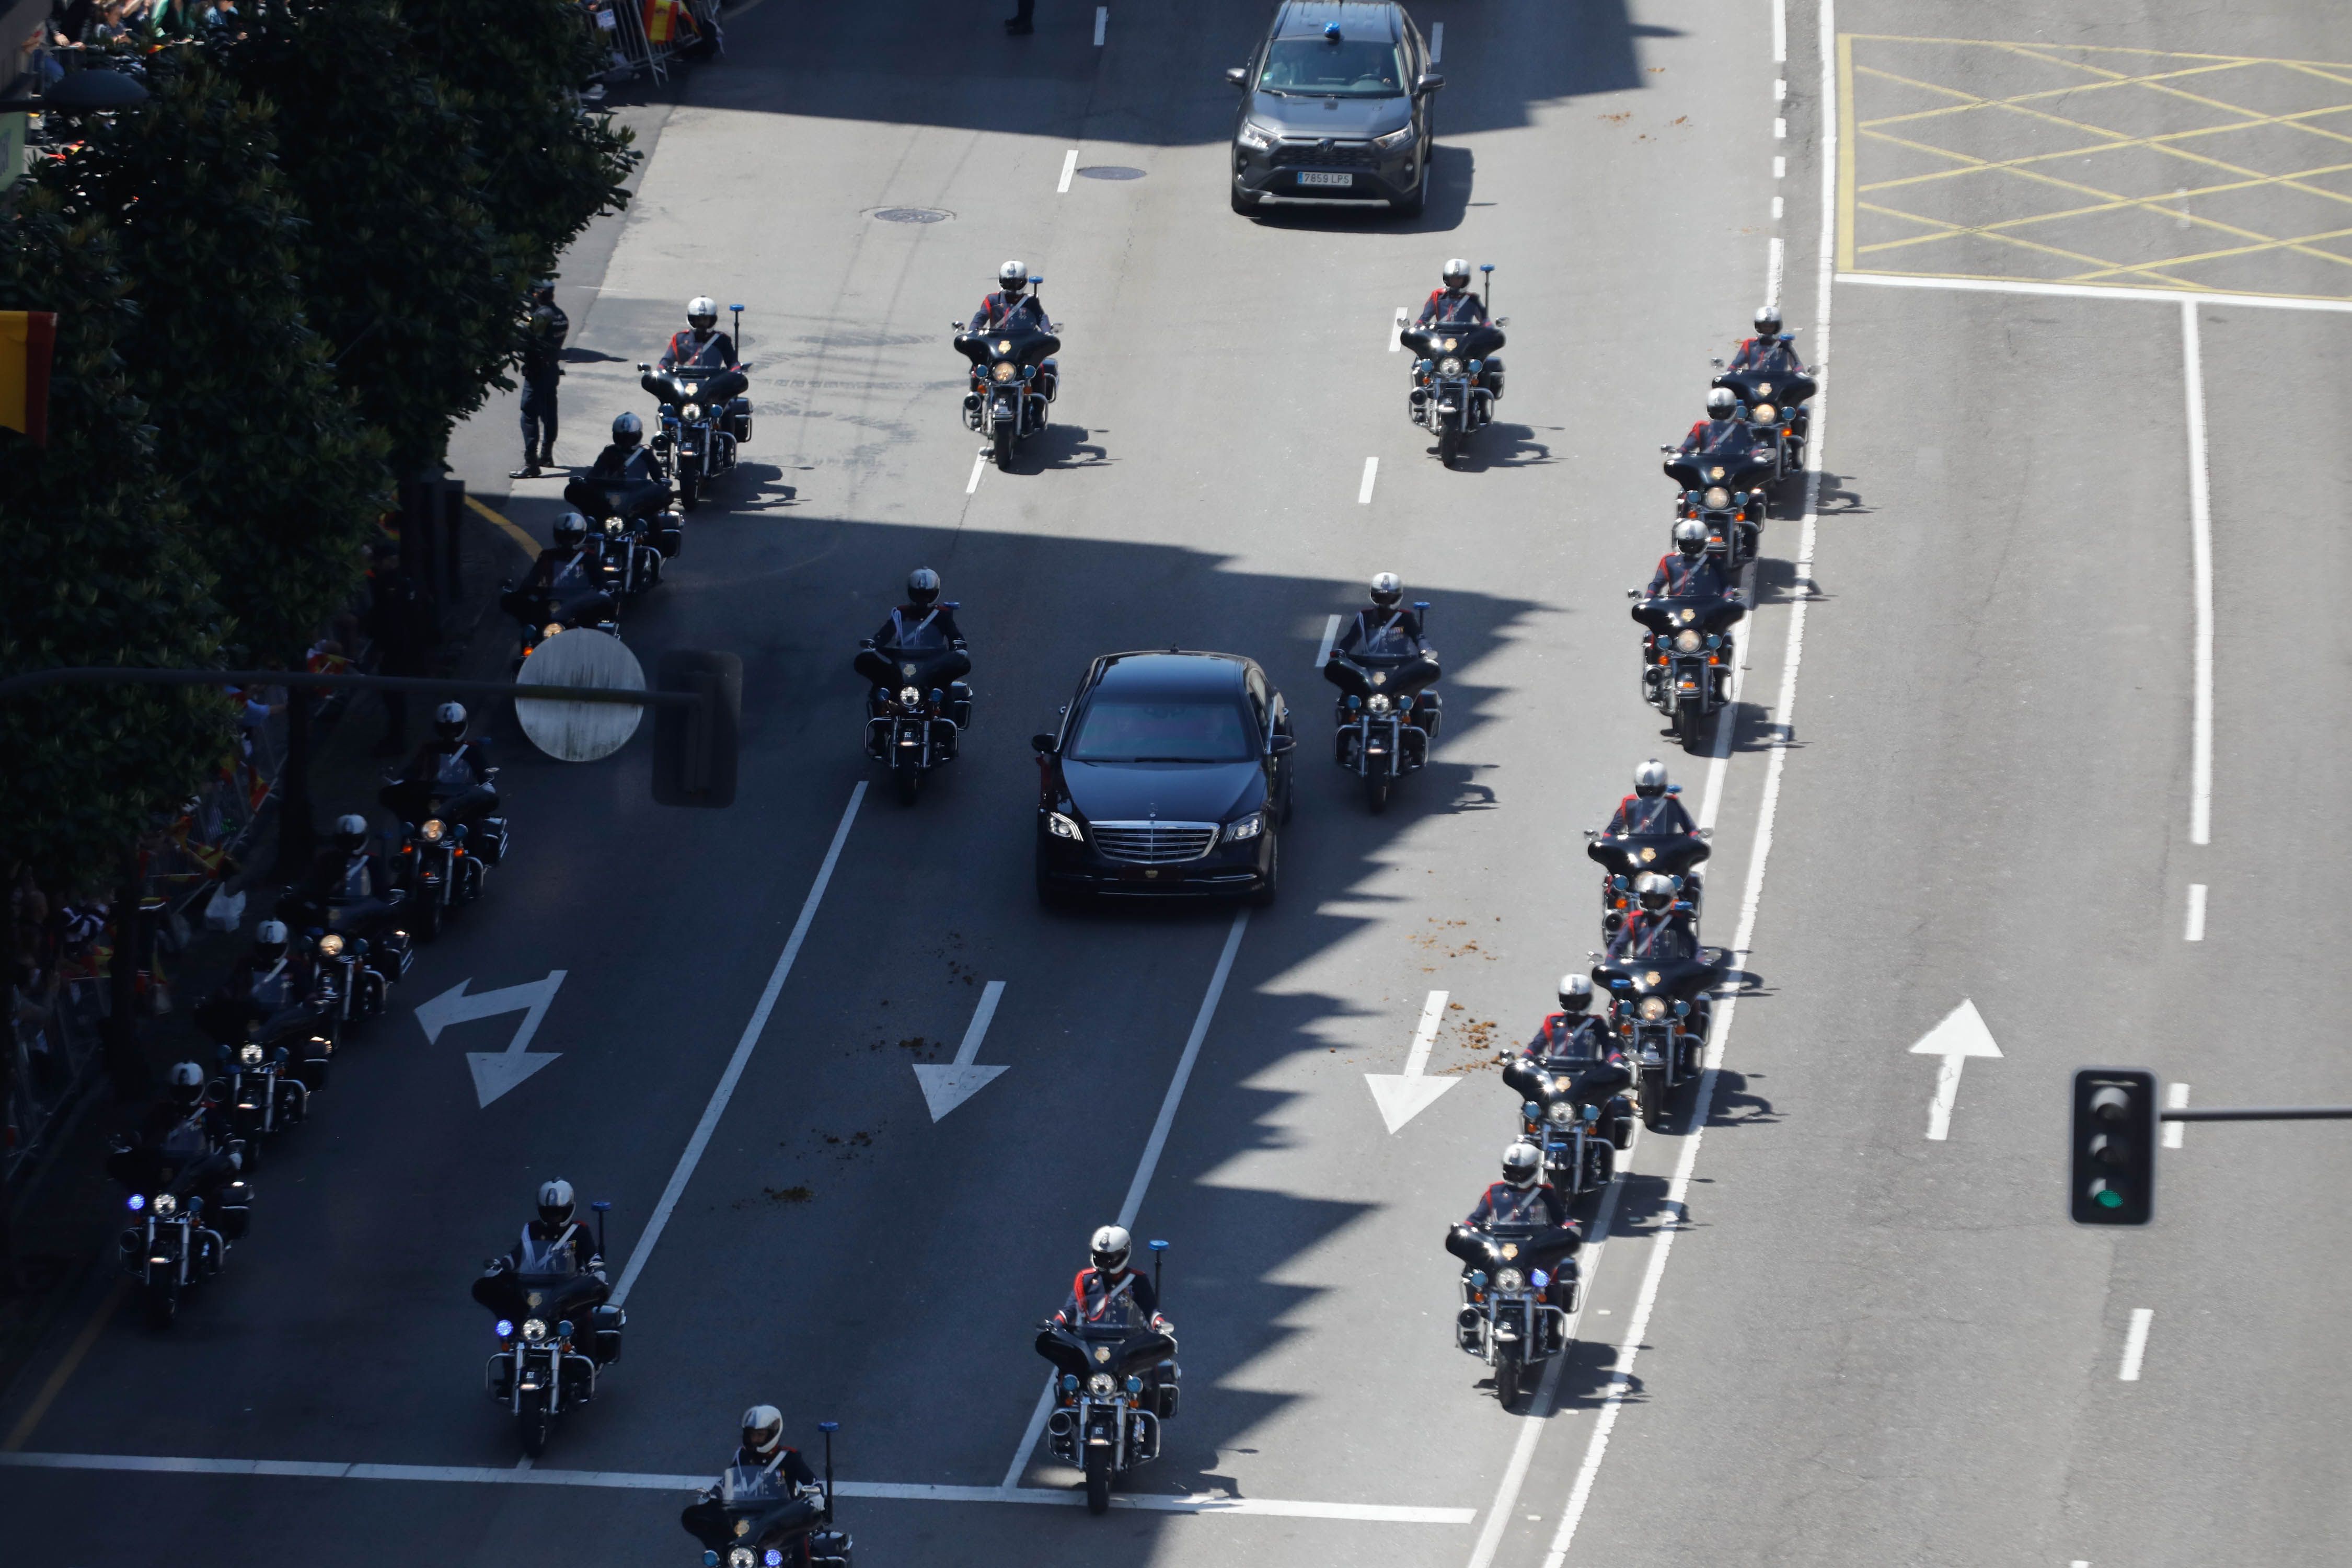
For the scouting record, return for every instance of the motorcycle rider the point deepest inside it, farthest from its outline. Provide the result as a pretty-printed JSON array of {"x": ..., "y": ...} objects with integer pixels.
[
  {"x": 266, "y": 989},
  {"x": 1723, "y": 432},
  {"x": 1652, "y": 809},
  {"x": 923, "y": 632},
  {"x": 625, "y": 458},
  {"x": 1011, "y": 300},
  {"x": 185, "y": 1139},
  {"x": 348, "y": 882},
  {"x": 1521, "y": 1198},
  {"x": 571, "y": 569},
  {"x": 1571, "y": 1044},
  {"x": 1096, "y": 1292},
  {"x": 1687, "y": 571},
  {"x": 763, "y": 1448},
  {"x": 1657, "y": 930},
  {"x": 556, "y": 1242},
  {"x": 702, "y": 346},
  {"x": 1767, "y": 352},
  {"x": 448, "y": 767},
  {"x": 1454, "y": 304},
  {"x": 1387, "y": 635}
]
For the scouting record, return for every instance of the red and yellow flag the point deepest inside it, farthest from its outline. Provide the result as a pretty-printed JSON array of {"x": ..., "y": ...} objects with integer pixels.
[{"x": 27, "y": 338}]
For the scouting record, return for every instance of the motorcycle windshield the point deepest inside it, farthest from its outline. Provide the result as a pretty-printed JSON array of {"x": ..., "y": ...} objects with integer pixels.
[
  {"x": 1733, "y": 463},
  {"x": 1451, "y": 343},
  {"x": 1626, "y": 976},
  {"x": 1020, "y": 342},
  {"x": 1780, "y": 383},
  {"x": 1702, "y": 615}
]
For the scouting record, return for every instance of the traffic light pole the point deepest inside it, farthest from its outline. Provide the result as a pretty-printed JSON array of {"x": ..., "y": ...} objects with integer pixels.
[{"x": 2263, "y": 1113}]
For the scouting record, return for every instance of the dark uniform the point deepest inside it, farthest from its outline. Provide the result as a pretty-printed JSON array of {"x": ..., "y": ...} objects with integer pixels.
[{"x": 543, "y": 368}]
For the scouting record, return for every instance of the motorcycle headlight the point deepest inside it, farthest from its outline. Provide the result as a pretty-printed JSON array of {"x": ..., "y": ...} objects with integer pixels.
[
  {"x": 1717, "y": 498},
  {"x": 612, "y": 525},
  {"x": 691, "y": 411},
  {"x": 1449, "y": 367},
  {"x": 1687, "y": 641},
  {"x": 329, "y": 945},
  {"x": 1256, "y": 138},
  {"x": 1099, "y": 1383},
  {"x": 432, "y": 831},
  {"x": 912, "y": 696},
  {"x": 1395, "y": 140},
  {"x": 1378, "y": 703},
  {"x": 1509, "y": 1280},
  {"x": 1562, "y": 1114},
  {"x": 1652, "y": 1007},
  {"x": 166, "y": 1206},
  {"x": 1003, "y": 369},
  {"x": 534, "y": 1329},
  {"x": 1766, "y": 414},
  {"x": 1249, "y": 827},
  {"x": 249, "y": 1054},
  {"x": 740, "y": 1558},
  {"x": 1062, "y": 826},
  {"x": 551, "y": 629}
]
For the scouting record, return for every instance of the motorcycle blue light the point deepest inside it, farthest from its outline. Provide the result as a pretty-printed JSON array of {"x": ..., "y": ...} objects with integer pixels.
[
  {"x": 1541, "y": 1279},
  {"x": 504, "y": 1329},
  {"x": 138, "y": 1201},
  {"x": 710, "y": 1560},
  {"x": 1478, "y": 1277},
  {"x": 1069, "y": 1382},
  {"x": 773, "y": 1557}
]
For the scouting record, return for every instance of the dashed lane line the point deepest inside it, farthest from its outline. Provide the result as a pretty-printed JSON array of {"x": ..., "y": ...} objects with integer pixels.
[
  {"x": 2135, "y": 1344},
  {"x": 1364, "y": 491},
  {"x": 1069, "y": 167},
  {"x": 2175, "y": 1098}
]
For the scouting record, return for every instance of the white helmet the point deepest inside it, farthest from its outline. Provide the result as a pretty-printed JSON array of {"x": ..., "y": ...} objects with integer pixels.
[
  {"x": 352, "y": 829},
  {"x": 555, "y": 1202},
  {"x": 627, "y": 430},
  {"x": 1523, "y": 1165},
  {"x": 1457, "y": 273},
  {"x": 1690, "y": 536},
  {"x": 270, "y": 935},
  {"x": 1722, "y": 403},
  {"x": 1650, "y": 778},
  {"x": 1768, "y": 321},
  {"x": 1387, "y": 589},
  {"x": 1655, "y": 889},
  {"x": 1575, "y": 993},
  {"x": 188, "y": 1083},
  {"x": 1110, "y": 1247},
  {"x": 702, "y": 313},
  {"x": 449, "y": 720},
  {"x": 764, "y": 1430},
  {"x": 1013, "y": 277}
]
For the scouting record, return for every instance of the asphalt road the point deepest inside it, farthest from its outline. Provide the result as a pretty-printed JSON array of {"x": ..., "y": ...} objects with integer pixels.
[{"x": 1854, "y": 1345}]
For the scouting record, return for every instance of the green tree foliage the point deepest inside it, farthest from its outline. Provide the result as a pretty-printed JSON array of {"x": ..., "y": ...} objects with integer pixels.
[
  {"x": 547, "y": 168},
  {"x": 282, "y": 480},
  {"x": 404, "y": 271},
  {"x": 101, "y": 570}
]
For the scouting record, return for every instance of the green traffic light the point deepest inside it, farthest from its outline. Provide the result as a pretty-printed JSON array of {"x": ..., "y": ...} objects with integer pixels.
[{"x": 2108, "y": 1198}]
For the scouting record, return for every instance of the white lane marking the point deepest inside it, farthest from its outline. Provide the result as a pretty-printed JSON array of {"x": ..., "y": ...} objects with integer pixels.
[
  {"x": 1773, "y": 257},
  {"x": 1364, "y": 493},
  {"x": 1102, "y": 24},
  {"x": 1779, "y": 129},
  {"x": 1780, "y": 92},
  {"x": 947, "y": 1085},
  {"x": 633, "y": 1481},
  {"x": 2200, "y": 550},
  {"x": 1620, "y": 1381},
  {"x": 2135, "y": 1344},
  {"x": 2196, "y": 931},
  {"x": 495, "y": 1072},
  {"x": 2176, "y": 1098},
  {"x": 735, "y": 1064},
  {"x": 1960, "y": 1035},
  {"x": 979, "y": 466},
  {"x": 1402, "y": 1097},
  {"x": 1146, "y": 1165},
  {"x": 1396, "y": 331},
  {"x": 1436, "y": 43},
  {"x": 1779, "y": 167},
  {"x": 1776, "y": 209},
  {"x": 2092, "y": 292},
  {"x": 1069, "y": 167},
  {"x": 1531, "y": 1425},
  {"x": 1330, "y": 635},
  {"x": 1780, "y": 32}
]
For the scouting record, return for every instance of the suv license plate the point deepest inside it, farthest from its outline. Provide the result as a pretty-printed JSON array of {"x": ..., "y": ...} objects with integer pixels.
[{"x": 1318, "y": 179}]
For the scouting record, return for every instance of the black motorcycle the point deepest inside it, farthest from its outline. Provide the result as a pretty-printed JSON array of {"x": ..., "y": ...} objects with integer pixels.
[
  {"x": 1385, "y": 718},
  {"x": 640, "y": 529},
  {"x": 914, "y": 723},
  {"x": 448, "y": 842},
  {"x": 1687, "y": 655},
  {"x": 354, "y": 982},
  {"x": 1119, "y": 1380},
  {"x": 1625, "y": 856},
  {"x": 556, "y": 1335},
  {"x": 755, "y": 1518},
  {"x": 545, "y": 612},
  {"x": 1775, "y": 402},
  {"x": 177, "y": 1241},
  {"x": 1661, "y": 1013},
  {"x": 1518, "y": 1286},
  {"x": 262, "y": 1094},
  {"x": 1454, "y": 390},
  {"x": 1015, "y": 378},
  {"x": 1579, "y": 1129},
  {"x": 1724, "y": 492}
]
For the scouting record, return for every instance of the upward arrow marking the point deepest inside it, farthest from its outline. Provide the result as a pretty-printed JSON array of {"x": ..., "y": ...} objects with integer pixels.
[
  {"x": 1404, "y": 1096},
  {"x": 1960, "y": 1035},
  {"x": 495, "y": 1072}
]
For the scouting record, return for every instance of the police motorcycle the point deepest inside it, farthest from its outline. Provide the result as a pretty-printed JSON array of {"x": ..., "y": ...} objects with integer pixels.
[
  {"x": 175, "y": 1240},
  {"x": 1775, "y": 404},
  {"x": 1622, "y": 857},
  {"x": 1386, "y": 721},
  {"x": 754, "y": 1517},
  {"x": 1014, "y": 378},
  {"x": 444, "y": 861},
  {"x": 914, "y": 725},
  {"x": 1686, "y": 659},
  {"x": 1726, "y": 493},
  {"x": 1453, "y": 396},
  {"x": 1504, "y": 1320},
  {"x": 638, "y": 526},
  {"x": 352, "y": 983},
  {"x": 704, "y": 416},
  {"x": 1661, "y": 1013},
  {"x": 263, "y": 1093},
  {"x": 1580, "y": 1133},
  {"x": 556, "y": 1335},
  {"x": 1117, "y": 1381}
]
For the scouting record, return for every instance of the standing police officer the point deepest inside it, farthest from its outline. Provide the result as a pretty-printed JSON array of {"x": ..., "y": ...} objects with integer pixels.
[{"x": 543, "y": 367}]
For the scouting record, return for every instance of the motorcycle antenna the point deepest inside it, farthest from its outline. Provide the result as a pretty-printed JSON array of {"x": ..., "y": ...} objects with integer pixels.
[
  {"x": 1488, "y": 268},
  {"x": 828, "y": 1428},
  {"x": 1159, "y": 1264},
  {"x": 739, "y": 330},
  {"x": 602, "y": 1208}
]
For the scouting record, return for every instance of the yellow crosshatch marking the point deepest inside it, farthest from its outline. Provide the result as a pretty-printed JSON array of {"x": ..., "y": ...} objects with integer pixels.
[{"x": 1968, "y": 158}]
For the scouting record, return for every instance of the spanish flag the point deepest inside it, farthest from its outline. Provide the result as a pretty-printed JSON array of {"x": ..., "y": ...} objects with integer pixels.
[{"x": 26, "y": 338}]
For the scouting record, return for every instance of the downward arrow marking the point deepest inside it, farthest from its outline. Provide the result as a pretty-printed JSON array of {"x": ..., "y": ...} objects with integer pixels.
[
  {"x": 495, "y": 1072},
  {"x": 947, "y": 1085},
  {"x": 1404, "y": 1096},
  {"x": 1960, "y": 1035}
]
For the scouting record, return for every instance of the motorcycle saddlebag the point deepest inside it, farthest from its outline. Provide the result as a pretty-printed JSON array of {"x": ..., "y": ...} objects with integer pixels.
[
  {"x": 739, "y": 420},
  {"x": 605, "y": 1325},
  {"x": 669, "y": 537},
  {"x": 829, "y": 1548}
]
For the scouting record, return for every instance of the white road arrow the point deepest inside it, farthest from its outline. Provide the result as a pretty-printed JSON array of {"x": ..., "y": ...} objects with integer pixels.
[
  {"x": 1960, "y": 1035},
  {"x": 1404, "y": 1096},
  {"x": 947, "y": 1085},
  {"x": 495, "y": 1072}
]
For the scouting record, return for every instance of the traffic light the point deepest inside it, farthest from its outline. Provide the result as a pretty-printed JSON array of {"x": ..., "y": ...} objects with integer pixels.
[
  {"x": 2113, "y": 1172},
  {"x": 693, "y": 748}
]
